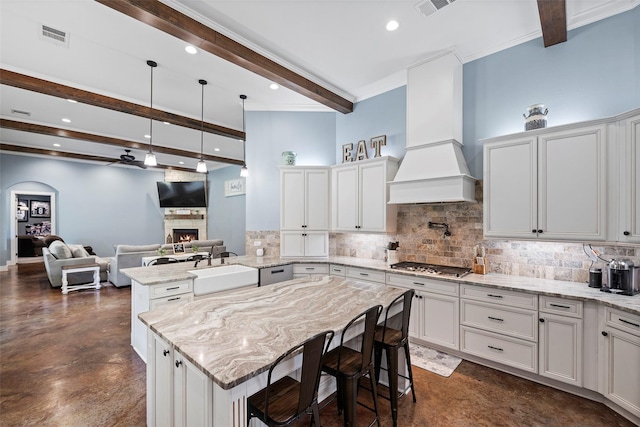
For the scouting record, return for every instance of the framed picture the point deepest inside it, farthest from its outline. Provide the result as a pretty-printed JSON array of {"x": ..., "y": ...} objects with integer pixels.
[
  {"x": 23, "y": 211},
  {"x": 178, "y": 248},
  {"x": 234, "y": 187},
  {"x": 40, "y": 209}
]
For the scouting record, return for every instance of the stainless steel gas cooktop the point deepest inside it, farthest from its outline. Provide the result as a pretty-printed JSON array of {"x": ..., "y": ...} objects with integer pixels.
[{"x": 443, "y": 270}]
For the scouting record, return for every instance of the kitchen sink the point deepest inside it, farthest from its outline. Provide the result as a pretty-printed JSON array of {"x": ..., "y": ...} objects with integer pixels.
[{"x": 222, "y": 278}]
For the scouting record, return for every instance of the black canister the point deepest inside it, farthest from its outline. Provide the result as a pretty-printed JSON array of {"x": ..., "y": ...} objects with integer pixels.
[{"x": 595, "y": 277}]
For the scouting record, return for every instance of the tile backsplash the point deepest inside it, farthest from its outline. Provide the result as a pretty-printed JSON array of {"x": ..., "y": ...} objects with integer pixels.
[{"x": 547, "y": 260}]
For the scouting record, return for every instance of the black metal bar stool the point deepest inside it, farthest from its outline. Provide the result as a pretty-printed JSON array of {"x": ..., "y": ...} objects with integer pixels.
[
  {"x": 349, "y": 365},
  {"x": 284, "y": 401},
  {"x": 391, "y": 340}
]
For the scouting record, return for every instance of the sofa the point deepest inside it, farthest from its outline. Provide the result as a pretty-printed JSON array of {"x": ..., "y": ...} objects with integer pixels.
[
  {"x": 30, "y": 246},
  {"x": 60, "y": 254},
  {"x": 127, "y": 256}
]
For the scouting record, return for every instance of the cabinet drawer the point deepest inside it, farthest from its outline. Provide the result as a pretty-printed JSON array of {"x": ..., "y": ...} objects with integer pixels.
[
  {"x": 504, "y": 320},
  {"x": 562, "y": 306},
  {"x": 175, "y": 288},
  {"x": 311, "y": 269},
  {"x": 337, "y": 270},
  {"x": 423, "y": 284},
  {"x": 499, "y": 296},
  {"x": 622, "y": 320},
  {"x": 170, "y": 300},
  {"x": 366, "y": 274},
  {"x": 508, "y": 351}
]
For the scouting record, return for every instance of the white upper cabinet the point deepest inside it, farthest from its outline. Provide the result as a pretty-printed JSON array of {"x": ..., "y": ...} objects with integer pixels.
[
  {"x": 547, "y": 185},
  {"x": 360, "y": 193},
  {"x": 629, "y": 180},
  {"x": 304, "y": 198}
]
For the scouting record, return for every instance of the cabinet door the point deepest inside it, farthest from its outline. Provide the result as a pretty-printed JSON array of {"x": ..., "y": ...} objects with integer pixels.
[
  {"x": 193, "y": 395},
  {"x": 622, "y": 378},
  {"x": 292, "y": 199},
  {"x": 440, "y": 321},
  {"x": 316, "y": 199},
  {"x": 560, "y": 348},
  {"x": 372, "y": 192},
  {"x": 629, "y": 154},
  {"x": 316, "y": 243},
  {"x": 291, "y": 243},
  {"x": 510, "y": 188},
  {"x": 162, "y": 391},
  {"x": 572, "y": 184},
  {"x": 344, "y": 206}
]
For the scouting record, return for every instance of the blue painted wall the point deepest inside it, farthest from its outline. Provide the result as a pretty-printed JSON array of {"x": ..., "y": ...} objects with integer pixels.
[
  {"x": 311, "y": 135},
  {"x": 594, "y": 74},
  {"x": 103, "y": 206}
]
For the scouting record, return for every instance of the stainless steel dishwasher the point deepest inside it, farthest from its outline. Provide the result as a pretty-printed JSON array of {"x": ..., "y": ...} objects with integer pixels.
[{"x": 276, "y": 274}]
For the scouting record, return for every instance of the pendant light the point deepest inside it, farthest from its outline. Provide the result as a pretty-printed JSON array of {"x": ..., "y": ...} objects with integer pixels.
[
  {"x": 150, "y": 158},
  {"x": 202, "y": 166},
  {"x": 244, "y": 172}
]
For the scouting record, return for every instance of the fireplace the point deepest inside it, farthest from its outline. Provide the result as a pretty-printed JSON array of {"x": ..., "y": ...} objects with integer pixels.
[{"x": 184, "y": 234}]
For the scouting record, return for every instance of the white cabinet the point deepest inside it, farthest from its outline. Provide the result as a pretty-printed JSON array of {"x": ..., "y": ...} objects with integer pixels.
[
  {"x": 149, "y": 297},
  {"x": 304, "y": 243},
  {"x": 359, "y": 196},
  {"x": 304, "y": 198},
  {"x": 629, "y": 180},
  {"x": 547, "y": 185},
  {"x": 434, "y": 311},
  {"x": 560, "y": 339},
  {"x": 178, "y": 393},
  {"x": 306, "y": 270},
  {"x": 304, "y": 211},
  {"x": 499, "y": 325},
  {"x": 621, "y": 358}
]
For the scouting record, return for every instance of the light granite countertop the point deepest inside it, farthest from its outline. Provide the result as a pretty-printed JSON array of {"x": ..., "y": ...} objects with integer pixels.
[
  {"x": 558, "y": 288},
  {"x": 234, "y": 336}
]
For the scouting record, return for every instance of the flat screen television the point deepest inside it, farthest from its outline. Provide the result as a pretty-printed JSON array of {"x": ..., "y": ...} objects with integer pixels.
[{"x": 190, "y": 194}]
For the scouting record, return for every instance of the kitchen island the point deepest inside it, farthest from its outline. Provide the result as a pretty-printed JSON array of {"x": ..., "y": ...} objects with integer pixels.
[{"x": 231, "y": 339}]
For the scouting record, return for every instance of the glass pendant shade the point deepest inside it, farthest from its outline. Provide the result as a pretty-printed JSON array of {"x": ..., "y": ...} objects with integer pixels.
[
  {"x": 202, "y": 167},
  {"x": 150, "y": 159},
  {"x": 244, "y": 172}
]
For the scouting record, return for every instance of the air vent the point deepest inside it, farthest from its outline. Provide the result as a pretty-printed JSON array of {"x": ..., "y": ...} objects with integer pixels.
[
  {"x": 427, "y": 7},
  {"x": 59, "y": 37},
  {"x": 20, "y": 112}
]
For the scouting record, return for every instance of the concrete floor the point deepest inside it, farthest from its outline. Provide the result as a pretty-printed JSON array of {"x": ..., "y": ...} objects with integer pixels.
[{"x": 67, "y": 361}]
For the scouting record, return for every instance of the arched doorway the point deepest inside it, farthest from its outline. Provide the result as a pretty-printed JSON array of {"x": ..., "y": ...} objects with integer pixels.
[{"x": 34, "y": 214}]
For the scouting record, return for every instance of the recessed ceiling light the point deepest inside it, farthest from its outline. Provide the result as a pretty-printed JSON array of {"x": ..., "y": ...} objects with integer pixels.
[
  {"x": 66, "y": 120},
  {"x": 166, "y": 123},
  {"x": 190, "y": 49},
  {"x": 181, "y": 162},
  {"x": 216, "y": 149},
  {"x": 148, "y": 136},
  {"x": 73, "y": 101},
  {"x": 274, "y": 86},
  {"x": 392, "y": 25},
  {"x": 56, "y": 145}
]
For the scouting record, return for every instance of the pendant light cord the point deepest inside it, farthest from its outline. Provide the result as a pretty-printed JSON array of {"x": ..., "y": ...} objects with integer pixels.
[
  {"x": 203, "y": 83},
  {"x": 152, "y": 65}
]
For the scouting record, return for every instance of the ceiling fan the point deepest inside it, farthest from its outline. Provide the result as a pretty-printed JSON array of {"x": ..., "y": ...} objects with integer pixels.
[{"x": 129, "y": 159}]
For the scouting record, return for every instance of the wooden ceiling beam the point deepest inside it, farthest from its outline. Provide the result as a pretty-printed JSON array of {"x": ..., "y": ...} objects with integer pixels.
[
  {"x": 553, "y": 20},
  {"x": 82, "y": 136},
  {"x": 67, "y": 155},
  {"x": 170, "y": 21},
  {"x": 45, "y": 87}
]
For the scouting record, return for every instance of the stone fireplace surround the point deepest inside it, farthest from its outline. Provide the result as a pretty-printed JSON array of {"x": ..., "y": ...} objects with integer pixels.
[{"x": 196, "y": 219}]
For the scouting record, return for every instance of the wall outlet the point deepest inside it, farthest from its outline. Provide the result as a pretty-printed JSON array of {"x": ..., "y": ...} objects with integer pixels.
[{"x": 257, "y": 243}]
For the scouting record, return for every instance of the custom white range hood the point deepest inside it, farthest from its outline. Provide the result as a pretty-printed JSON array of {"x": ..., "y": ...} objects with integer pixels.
[{"x": 433, "y": 169}]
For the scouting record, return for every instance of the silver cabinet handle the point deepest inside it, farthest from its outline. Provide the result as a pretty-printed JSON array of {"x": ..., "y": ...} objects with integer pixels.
[
  {"x": 364, "y": 274},
  {"x": 310, "y": 268}
]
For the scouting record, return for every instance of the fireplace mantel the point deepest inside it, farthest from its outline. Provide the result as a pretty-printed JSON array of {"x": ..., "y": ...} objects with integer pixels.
[{"x": 179, "y": 217}]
